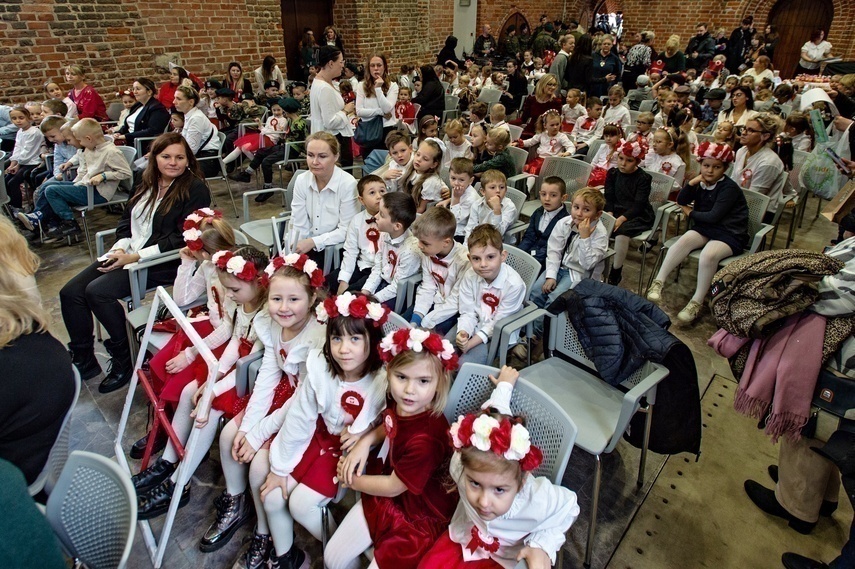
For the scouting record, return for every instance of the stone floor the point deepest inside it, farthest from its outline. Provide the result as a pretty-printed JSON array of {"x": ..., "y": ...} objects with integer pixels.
[{"x": 686, "y": 514}]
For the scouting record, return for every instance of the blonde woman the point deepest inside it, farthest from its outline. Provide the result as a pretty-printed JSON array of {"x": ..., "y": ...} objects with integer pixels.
[
  {"x": 672, "y": 57},
  {"x": 20, "y": 263},
  {"x": 543, "y": 99}
]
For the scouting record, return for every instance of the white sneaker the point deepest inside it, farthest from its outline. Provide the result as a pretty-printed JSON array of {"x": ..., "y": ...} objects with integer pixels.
[
  {"x": 690, "y": 312},
  {"x": 654, "y": 293}
]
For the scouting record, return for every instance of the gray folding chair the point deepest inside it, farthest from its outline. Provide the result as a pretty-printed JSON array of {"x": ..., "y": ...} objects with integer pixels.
[
  {"x": 519, "y": 156},
  {"x": 93, "y": 511},
  {"x": 489, "y": 96},
  {"x": 573, "y": 171},
  {"x": 223, "y": 174},
  {"x": 593, "y": 148},
  {"x": 519, "y": 199},
  {"x": 516, "y": 132},
  {"x": 452, "y": 102},
  {"x": 4, "y": 195},
  {"x": 261, "y": 229}
]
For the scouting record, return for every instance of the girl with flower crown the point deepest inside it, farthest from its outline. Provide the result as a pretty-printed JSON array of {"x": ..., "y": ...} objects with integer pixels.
[
  {"x": 343, "y": 393},
  {"x": 174, "y": 366},
  {"x": 550, "y": 140},
  {"x": 405, "y": 504},
  {"x": 506, "y": 514},
  {"x": 606, "y": 157},
  {"x": 239, "y": 273},
  {"x": 288, "y": 331},
  {"x": 627, "y": 190}
]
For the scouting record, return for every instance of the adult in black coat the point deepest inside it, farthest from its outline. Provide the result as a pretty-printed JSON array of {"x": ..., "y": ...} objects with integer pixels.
[
  {"x": 148, "y": 116},
  {"x": 517, "y": 87},
  {"x": 580, "y": 68},
  {"x": 432, "y": 95},
  {"x": 737, "y": 45},
  {"x": 447, "y": 53},
  {"x": 701, "y": 49},
  {"x": 172, "y": 188}
]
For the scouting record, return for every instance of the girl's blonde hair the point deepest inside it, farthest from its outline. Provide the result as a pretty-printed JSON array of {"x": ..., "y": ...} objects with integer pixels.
[
  {"x": 672, "y": 45},
  {"x": 415, "y": 189},
  {"x": 217, "y": 235},
  {"x": 617, "y": 90},
  {"x": 578, "y": 94},
  {"x": 454, "y": 125},
  {"x": 540, "y": 124},
  {"x": 500, "y": 137},
  {"x": 15, "y": 253},
  {"x": 443, "y": 385}
]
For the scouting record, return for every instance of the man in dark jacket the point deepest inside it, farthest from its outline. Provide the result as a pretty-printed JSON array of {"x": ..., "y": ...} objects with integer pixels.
[
  {"x": 739, "y": 42},
  {"x": 701, "y": 48},
  {"x": 485, "y": 44}
]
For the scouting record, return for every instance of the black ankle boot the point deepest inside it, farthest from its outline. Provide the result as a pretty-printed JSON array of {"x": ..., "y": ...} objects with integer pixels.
[
  {"x": 121, "y": 367},
  {"x": 155, "y": 502},
  {"x": 138, "y": 449},
  {"x": 615, "y": 276},
  {"x": 296, "y": 558},
  {"x": 232, "y": 513},
  {"x": 85, "y": 361},
  {"x": 152, "y": 476},
  {"x": 259, "y": 551}
]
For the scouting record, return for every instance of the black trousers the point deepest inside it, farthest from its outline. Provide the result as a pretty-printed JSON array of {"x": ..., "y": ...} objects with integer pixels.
[
  {"x": 92, "y": 292},
  {"x": 346, "y": 151},
  {"x": 14, "y": 181}
]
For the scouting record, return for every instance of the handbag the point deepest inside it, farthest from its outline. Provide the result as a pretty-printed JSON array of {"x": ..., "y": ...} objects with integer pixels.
[{"x": 369, "y": 132}]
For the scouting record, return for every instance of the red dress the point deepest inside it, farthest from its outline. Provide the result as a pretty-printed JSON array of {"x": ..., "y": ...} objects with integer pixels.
[
  {"x": 405, "y": 527},
  {"x": 89, "y": 103},
  {"x": 446, "y": 554}
]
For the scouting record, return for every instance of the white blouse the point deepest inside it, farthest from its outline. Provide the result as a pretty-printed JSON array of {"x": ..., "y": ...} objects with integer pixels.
[
  {"x": 463, "y": 208},
  {"x": 142, "y": 219},
  {"x": 482, "y": 213},
  {"x": 583, "y": 258},
  {"x": 327, "y": 110},
  {"x": 814, "y": 51},
  {"x": 378, "y": 105},
  {"x": 197, "y": 129},
  {"x": 322, "y": 214}
]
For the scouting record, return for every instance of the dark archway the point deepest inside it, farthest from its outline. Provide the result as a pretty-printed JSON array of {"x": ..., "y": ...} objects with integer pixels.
[
  {"x": 517, "y": 20},
  {"x": 297, "y": 15},
  {"x": 795, "y": 20}
]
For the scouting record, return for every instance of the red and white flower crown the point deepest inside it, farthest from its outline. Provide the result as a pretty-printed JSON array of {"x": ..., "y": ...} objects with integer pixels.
[
  {"x": 509, "y": 440},
  {"x": 353, "y": 306},
  {"x": 297, "y": 261},
  {"x": 636, "y": 149},
  {"x": 418, "y": 340},
  {"x": 708, "y": 149},
  {"x": 235, "y": 265},
  {"x": 193, "y": 226}
]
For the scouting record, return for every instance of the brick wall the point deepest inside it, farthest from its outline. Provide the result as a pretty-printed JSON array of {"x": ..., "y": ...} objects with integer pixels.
[{"x": 495, "y": 13}]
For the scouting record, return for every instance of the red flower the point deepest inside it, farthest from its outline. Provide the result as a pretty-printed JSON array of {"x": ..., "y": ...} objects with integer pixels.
[
  {"x": 359, "y": 307},
  {"x": 433, "y": 344},
  {"x": 317, "y": 279},
  {"x": 500, "y": 439},
  {"x": 330, "y": 307},
  {"x": 195, "y": 245},
  {"x": 464, "y": 432},
  {"x": 248, "y": 273},
  {"x": 400, "y": 339},
  {"x": 452, "y": 363},
  {"x": 531, "y": 460},
  {"x": 188, "y": 224},
  {"x": 300, "y": 262}
]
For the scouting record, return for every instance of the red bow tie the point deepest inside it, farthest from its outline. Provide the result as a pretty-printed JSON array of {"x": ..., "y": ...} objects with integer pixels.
[
  {"x": 371, "y": 220},
  {"x": 438, "y": 261}
]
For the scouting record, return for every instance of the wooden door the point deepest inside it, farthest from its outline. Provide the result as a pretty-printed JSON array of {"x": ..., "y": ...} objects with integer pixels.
[
  {"x": 517, "y": 20},
  {"x": 297, "y": 15},
  {"x": 795, "y": 20}
]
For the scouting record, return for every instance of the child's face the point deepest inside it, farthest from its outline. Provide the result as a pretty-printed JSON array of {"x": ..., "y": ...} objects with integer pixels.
[
  {"x": 459, "y": 180},
  {"x": 277, "y": 111},
  {"x": 614, "y": 100},
  {"x": 553, "y": 125},
  {"x": 479, "y": 139},
  {"x": 413, "y": 387},
  {"x": 538, "y": 63},
  {"x": 612, "y": 140},
  {"x": 176, "y": 122},
  {"x": 289, "y": 303},
  {"x": 493, "y": 145},
  {"x": 35, "y": 113},
  {"x": 404, "y": 96},
  {"x": 669, "y": 103},
  {"x": 54, "y": 92},
  {"x": 527, "y": 57},
  {"x": 712, "y": 170},
  {"x": 455, "y": 137},
  {"x": 491, "y": 494},
  {"x": 715, "y": 104},
  {"x": 595, "y": 111},
  {"x": 431, "y": 129},
  {"x": 55, "y": 136},
  {"x": 46, "y": 112},
  {"x": 224, "y": 101},
  {"x": 434, "y": 246},
  {"x": 384, "y": 220},
  {"x": 723, "y": 131},
  {"x": 551, "y": 197},
  {"x": 401, "y": 153},
  {"x": 372, "y": 197},
  {"x": 240, "y": 292},
  {"x": 572, "y": 99},
  {"x": 627, "y": 164},
  {"x": 89, "y": 142},
  {"x": 299, "y": 93},
  {"x": 643, "y": 126},
  {"x": 350, "y": 351},
  {"x": 70, "y": 138},
  {"x": 747, "y": 82},
  {"x": 487, "y": 261},
  {"x": 417, "y": 84},
  {"x": 662, "y": 143},
  {"x": 494, "y": 189},
  {"x": 128, "y": 101},
  {"x": 212, "y": 93},
  {"x": 582, "y": 210},
  {"x": 271, "y": 92}
]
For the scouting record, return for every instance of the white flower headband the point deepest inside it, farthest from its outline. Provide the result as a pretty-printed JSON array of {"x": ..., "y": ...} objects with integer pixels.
[
  {"x": 418, "y": 340},
  {"x": 193, "y": 226},
  {"x": 486, "y": 433}
]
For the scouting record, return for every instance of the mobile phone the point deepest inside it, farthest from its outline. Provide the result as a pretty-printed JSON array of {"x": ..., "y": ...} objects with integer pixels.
[
  {"x": 108, "y": 261},
  {"x": 838, "y": 161}
]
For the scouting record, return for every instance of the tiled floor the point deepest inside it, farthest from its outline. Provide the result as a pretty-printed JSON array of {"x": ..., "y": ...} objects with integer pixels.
[{"x": 686, "y": 514}]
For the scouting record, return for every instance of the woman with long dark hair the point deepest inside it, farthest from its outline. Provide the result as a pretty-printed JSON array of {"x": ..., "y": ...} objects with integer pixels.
[
  {"x": 580, "y": 67},
  {"x": 376, "y": 97},
  {"x": 269, "y": 71},
  {"x": 172, "y": 188},
  {"x": 329, "y": 113},
  {"x": 432, "y": 95}
]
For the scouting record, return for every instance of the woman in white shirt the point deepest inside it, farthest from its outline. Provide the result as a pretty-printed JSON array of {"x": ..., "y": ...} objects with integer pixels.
[
  {"x": 201, "y": 135},
  {"x": 813, "y": 52},
  {"x": 269, "y": 71},
  {"x": 762, "y": 69},
  {"x": 756, "y": 166},
  {"x": 376, "y": 97},
  {"x": 324, "y": 200},
  {"x": 171, "y": 189},
  {"x": 741, "y": 107},
  {"x": 328, "y": 111}
]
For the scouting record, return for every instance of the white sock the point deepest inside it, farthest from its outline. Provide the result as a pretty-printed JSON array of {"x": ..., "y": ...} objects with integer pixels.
[{"x": 232, "y": 156}]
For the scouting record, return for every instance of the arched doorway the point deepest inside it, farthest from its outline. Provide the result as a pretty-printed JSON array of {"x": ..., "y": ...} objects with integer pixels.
[
  {"x": 299, "y": 14},
  {"x": 795, "y": 20},
  {"x": 517, "y": 20}
]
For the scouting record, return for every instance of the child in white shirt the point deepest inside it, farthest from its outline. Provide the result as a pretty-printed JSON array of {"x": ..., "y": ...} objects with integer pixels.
[
  {"x": 401, "y": 153},
  {"x": 664, "y": 158},
  {"x": 421, "y": 179},
  {"x": 550, "y": 142},
  {"x": 362, "y": 242},
  {"x": 463, "y": 195},
  {"x": 497, "y": 117},
  {"x": 590, "y": 127},
  {"x": 457, "y": 146},
  {"x": 616, "y": 113},
  {"x": 493, "y": 208},
  {"x": 572, "y": 111}
]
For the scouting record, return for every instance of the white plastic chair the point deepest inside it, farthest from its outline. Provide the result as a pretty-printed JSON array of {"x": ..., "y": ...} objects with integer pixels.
[
  {"x": 520, "y": 157},
  {"x": 452, "y": 104},
  {"x": 519, "y": 199},
  {"x": 573, "y": 171},
  {"x": 394, "y": 322},
  {"x": 93, "y": 510},
  {"x": 260, "y": 229},
  {"x": 4, "y": 195},
  {"x": 593, "y": 148},
  {"x": 660, "y": 188},
  {"x": 516, "y": 132},
  {"x": 489, "y": 96}
]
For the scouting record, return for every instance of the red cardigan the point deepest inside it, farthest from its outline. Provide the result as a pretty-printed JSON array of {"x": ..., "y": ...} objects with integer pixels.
[
  {"x": 532, "y": 109},
  {"x": 89, "y": 103}
]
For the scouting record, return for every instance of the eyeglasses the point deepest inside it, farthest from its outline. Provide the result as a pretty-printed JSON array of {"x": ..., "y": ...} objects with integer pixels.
[{"x": 751, "y": 130}]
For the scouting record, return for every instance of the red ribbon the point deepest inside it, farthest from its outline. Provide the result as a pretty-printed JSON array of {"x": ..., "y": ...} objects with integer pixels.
[
  {"x": 215, "y": 293},
  {"x": 440, "y": 280},
  {"x": 373, "y": 235},
  {"x": 283, "y": 353},
  {"x": 438, "y": 261},
  {"x": 477, "y": 542},
  {"x": 351, "y": 403},
  {"x": 589, "y": 123},
  {"x": 393, "y": 260},
  {"x": 274, "y": 123},
  {"x": 390, "y": 423},
  {"x": 490, "y": 300}
]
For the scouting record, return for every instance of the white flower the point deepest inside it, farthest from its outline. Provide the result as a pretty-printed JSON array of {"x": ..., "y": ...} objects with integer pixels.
[
  {"x": 321, "y": 313},
  {"x": 375, "y": 311},
  {"x": 417, "y": 338},
  {"x": 387, "y": 344},
  {"x": 453, "y": 432},
  {"x": 194, "y": 217},
  {"x": 192, "y": 234},
  {"x": 310, "y": 267},
  {"x": 520, "y": 443},
  {"x": 447, "y": 350},
  {"x": 235, "y": 265},
  {"x": 291, "y": 259},
  {"x": 343, "y": 301},
  {"x": 207, "y": 211},
  {"x": 481, "y": 429},
  {"x": 215, "y": 258},
  {"x": 269, "y": 270}
]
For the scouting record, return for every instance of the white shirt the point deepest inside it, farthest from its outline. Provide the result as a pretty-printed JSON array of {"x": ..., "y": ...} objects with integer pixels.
[
  {"x": 395, "y": 185},
  {"x": 274, "y": 128},
  {"x": 29, "y": 145},
  {"x": 583, "y": 258},
  {"x": 276, "y": 75},
  {"x": 605, "y": 157},
  {"x": 440, "y": 285},
  {"x": 547, "y": 218},
  {"x": 460, "y": 151},
  {"x": 462, "y": 209},
  {"x": 482, "y": 213},
  {"x": 478, "y": 317},
  {"x": 550, "y": 145},
  {"x": 328, "y": 110},
  {"x": 141, "y": 221},
  {"x": 539, "y": 516},
  {"x": 197, "y": 128},
  {"x": 659, "y": 120},
  {"x": 378, "y": 105},
  {"x": 814, "y": 51},
  {"x": 399, "y": 258},
  {"x": 727, "y": 116},
  {"x": 802, "y": 142},
  {"x": 72, "y": 108},
  {"x": 323, "y": 214},
  {"x": 763, "y": 172},
  {"x": 765, "y": 74},
  {"x": 618, "y": 114},
  {"x": 588, "y": 129},
  {"x": 359, "y": 250},
  {"x": 432, "y": 186},
  {"x": 321, "y": 394},
  {"x": 668, "y": 164},
  {"x": 190, "y": 284},
  {"x": 274, "y": 364},
  {"x": 131, "y": 119},
  {"x": 572, "y": 114}
]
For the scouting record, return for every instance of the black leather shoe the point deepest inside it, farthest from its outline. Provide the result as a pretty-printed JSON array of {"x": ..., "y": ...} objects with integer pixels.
[
  {"x": 232, "y": 513},
  {"x": 86, "y": 362},
  {"x": 827, "y": 507},
  {"x": 258, "y": 553},
  {"x": 796, "y": 561},
  {"x": 615, "y": 276},
  {"x": 120, "y": 367},
  {"x": 155, "y": 502},
  {"x": 261, "y": 198},
  {"x": 295, "y": 559},
  {"x": 152, "y": 476},
  {"x": 765, "y": 499},
  {"x": 138, "y": 449}
]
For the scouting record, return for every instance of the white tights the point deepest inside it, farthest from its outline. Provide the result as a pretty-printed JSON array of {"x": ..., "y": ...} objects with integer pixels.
[
  {"x": 621, "y": 249},
  {"x": 236, "y": 153},
  {"x": 711, "y": 254},
  {"x": 236, "y": 472},
  {"x": 183, "y": 423},
  {"x": 303, "y": 505},
  {"x": 349, "y": 542}
]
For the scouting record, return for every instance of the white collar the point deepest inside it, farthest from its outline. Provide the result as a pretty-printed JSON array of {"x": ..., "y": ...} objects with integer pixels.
[
  {"x": 499, "y": 281},
  {"x": 397, "y": 240}
]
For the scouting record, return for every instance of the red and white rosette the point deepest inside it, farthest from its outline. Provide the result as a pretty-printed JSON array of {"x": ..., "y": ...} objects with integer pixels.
[
  {"x": 489, "y": 544},
  {"x": 352, "y": 403},
  {"x": 491, "y": 301},
  {"x": 373, "y": 235}
]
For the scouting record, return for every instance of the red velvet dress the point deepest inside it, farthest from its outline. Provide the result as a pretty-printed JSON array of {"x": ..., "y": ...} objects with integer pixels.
[
  {"x": 89, "y": 103},
  {"x": 405, "y": 527}
]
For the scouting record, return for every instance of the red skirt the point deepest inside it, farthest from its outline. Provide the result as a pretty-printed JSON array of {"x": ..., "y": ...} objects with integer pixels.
[
  {"x": 253, "y": 141},
  {"x": 169, "y": 386},
  {"x": 567, "y": 126},
  {"x": 534, "y": 166},
  {"x": 400, "y": 541},
  {"x": 231, "y": 405},
  {"x": 317, "y": 468},
  {"x": 449, "y": 555}
]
